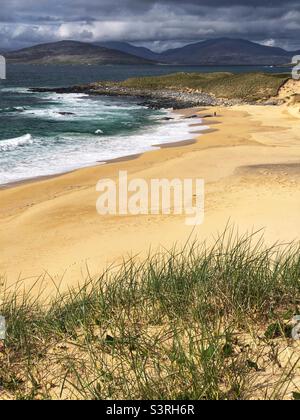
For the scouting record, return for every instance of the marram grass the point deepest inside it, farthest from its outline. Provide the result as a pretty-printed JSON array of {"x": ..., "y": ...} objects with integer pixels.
[{"x": 210, "y": 323}]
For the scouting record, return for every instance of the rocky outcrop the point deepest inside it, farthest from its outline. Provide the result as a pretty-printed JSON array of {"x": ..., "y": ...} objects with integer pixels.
[{"x": 155, "y": 99}]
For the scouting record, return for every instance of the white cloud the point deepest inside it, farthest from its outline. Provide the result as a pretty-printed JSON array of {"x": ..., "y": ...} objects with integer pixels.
[
  {"x": 269, "y": 42},
  {"x": 160, "y": 23}
]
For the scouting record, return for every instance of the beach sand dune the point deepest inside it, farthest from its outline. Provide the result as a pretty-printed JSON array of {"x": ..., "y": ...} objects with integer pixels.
[{"x": 251, "y": 167}]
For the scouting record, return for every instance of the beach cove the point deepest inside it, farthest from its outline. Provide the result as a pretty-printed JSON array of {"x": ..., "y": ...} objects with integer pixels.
[{"x": 250, "y": 164}]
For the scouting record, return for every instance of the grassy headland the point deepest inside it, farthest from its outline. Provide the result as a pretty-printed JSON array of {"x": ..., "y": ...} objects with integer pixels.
[
  {"x": 184, "y": 90},
  {"x": 203, "y": 323},
  {"x": 247, "y": 86}
]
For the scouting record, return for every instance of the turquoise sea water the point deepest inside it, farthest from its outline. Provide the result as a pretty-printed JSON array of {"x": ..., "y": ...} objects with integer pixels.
[{"x": 47, "y": 133}]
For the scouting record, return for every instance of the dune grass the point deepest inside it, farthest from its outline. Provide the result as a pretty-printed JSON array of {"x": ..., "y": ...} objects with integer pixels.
[
  {"x": 246, "y": 86},
  {"x": 207, "y": 323}
]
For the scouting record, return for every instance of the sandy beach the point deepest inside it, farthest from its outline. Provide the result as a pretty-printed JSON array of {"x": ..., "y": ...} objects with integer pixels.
[
  {"x": 149, "y": 203},
  {"x": 249, "y": 160}
]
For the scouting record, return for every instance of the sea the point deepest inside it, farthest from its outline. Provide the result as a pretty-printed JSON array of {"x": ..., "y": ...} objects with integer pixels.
[{"x": 44, "y": 134}]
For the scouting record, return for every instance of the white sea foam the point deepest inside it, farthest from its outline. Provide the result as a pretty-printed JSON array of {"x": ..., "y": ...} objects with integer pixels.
[
  {"x": 70, "y": 106},
  {"x": 24, "y": 157},
  {"x": 14, "y": 143},
  {"x": 69, "y": 152},
  {"x": 48, "y": 114},
  {"x": 66, "y": 97},
  {"x": 15, "y": 90}
]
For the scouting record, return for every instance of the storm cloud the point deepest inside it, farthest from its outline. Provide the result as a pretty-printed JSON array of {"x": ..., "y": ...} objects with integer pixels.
[{"x": 157, "y": 24}]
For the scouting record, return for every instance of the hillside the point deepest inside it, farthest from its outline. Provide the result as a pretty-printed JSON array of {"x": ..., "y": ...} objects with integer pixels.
[
  {"x": 131, "y": 49},
  {"x": 72, "y": 52},
  {"x": 187, "y": 90},
  {"x": 225, "y": 51},
  {"x": 244, "y": 86}
]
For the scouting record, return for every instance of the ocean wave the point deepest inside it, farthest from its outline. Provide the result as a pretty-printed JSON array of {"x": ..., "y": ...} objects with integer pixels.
[
  {"x": 65, "y": 97},
  {"x": 11, "y": 144},
  {"x": 16, "y": 90},
  {"x": 68, "y": 151},
  {"x": 49, "y": 114},
  {"x": 79, "y": 106},
  {"x": 12, "y": 109},
  {"x": 99, "y": 132}
]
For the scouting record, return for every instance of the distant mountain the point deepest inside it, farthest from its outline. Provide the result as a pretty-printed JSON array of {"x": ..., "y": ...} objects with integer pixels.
[
  {"x": 130, "y": 49},
  {"x": 221, "y": 51},
  {"x": 72, "y": 52},
  {"x": 226, "y": 51}
]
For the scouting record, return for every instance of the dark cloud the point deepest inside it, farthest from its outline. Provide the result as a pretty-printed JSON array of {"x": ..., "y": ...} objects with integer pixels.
[{"x": 159, "y": 24}]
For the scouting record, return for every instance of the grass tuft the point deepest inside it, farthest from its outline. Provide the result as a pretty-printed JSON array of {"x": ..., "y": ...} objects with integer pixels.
[{"x": 206, "y": 323}]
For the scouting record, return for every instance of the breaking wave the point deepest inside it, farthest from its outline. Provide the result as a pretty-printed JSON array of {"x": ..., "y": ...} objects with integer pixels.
[{"x": 11, "y": 144}]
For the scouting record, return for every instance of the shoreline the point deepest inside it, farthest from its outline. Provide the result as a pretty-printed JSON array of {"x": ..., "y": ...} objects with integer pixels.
[
  {"x": 250, "y": 165},
  {"x": 161, "y": 99},
  {"x": 180, "y": 143}
]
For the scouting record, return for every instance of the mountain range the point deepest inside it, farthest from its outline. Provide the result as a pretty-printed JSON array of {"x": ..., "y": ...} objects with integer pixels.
[
  {"x": 221, "y": 51},
  {"x": 72, "y": 52},
  {"x": 227, "y": 51}
]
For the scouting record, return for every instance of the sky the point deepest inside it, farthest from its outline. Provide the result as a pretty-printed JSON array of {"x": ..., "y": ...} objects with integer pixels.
[{"x": 156, "y": 24}]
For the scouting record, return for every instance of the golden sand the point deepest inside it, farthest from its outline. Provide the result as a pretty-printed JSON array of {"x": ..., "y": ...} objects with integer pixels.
[{"x": 250, "y": 162}]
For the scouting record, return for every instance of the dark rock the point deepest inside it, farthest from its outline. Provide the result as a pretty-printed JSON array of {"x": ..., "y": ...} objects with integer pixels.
[
  {"x": 66, "y": 113},
  {"x": 192, "y": 116}
]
